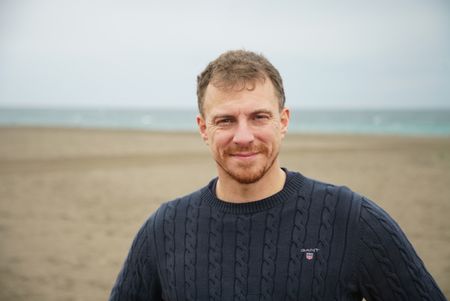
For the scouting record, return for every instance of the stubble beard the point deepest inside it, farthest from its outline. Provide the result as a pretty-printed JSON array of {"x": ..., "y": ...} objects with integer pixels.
[{"x": 245, "y": 174}]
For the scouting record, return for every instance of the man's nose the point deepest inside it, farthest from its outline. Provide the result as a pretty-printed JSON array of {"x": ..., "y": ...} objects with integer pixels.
[{"x": 243, "y": 134}]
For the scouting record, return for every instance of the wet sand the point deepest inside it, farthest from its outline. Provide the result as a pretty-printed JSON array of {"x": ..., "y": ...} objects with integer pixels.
[{"x": 71, "y": 200}]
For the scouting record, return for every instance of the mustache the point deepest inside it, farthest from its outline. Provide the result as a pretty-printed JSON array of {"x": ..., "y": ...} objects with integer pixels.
[{"x": 246, "y": 149}]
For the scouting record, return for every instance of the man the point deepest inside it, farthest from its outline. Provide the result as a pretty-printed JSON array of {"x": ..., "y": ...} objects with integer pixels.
[{"x": 260, "y": 232}]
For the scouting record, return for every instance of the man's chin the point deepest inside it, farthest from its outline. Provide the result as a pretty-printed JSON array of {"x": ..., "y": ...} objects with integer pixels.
[
  {"x": 248, "y": 172},
  {"x": 246, "y": 176}
]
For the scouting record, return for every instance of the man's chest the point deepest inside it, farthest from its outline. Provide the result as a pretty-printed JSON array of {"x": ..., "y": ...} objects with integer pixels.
[{"x": 275, "y": 256}]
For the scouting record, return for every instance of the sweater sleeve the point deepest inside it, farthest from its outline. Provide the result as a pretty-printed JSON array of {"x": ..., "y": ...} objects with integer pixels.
[
  {"x": 138, "y": 280},
  {"x": 388, "y": 267}
]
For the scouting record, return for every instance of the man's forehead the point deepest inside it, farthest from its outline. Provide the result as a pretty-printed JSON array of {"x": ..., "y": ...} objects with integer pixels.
[
  {"x": 220, "y": 103},
  {"x": 232, "y": 110},
  {"x": 215, "y": 93}
]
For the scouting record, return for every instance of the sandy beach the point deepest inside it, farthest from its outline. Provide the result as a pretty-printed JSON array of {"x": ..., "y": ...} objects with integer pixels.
[{"x": 72, "y": 200}]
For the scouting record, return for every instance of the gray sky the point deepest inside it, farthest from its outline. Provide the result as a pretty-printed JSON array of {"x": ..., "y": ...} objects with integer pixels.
[{"x": 350, "y": 54}]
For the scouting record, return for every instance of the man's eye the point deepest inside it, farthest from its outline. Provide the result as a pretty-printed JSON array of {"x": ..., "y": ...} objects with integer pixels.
[
  {"x": 224, "y": 121},
  {"x": 261, "y": 117}
]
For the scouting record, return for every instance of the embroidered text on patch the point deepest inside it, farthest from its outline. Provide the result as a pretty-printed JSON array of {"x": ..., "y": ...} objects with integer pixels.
[{"x": 309, "y": 253}]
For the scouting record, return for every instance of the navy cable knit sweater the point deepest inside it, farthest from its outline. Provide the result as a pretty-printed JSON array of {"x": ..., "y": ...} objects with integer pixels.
[{"x": 310, "y": 241}]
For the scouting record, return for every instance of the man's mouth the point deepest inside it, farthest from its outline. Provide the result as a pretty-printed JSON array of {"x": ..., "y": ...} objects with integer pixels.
[{"x": 244, "y": 154}]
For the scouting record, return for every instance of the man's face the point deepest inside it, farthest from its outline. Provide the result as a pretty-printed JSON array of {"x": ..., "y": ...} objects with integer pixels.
[{"x": 244, "y": 130}]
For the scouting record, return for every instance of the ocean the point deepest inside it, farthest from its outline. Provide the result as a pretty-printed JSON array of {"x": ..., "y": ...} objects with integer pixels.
[{"x": 395, "y": 122}]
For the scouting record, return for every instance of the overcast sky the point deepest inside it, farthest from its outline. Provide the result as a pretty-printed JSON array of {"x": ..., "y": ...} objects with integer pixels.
[{"x": 339, "y": 54}]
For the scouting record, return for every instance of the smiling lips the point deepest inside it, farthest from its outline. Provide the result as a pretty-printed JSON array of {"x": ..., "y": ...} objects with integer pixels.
[{"x": 244, "y": 155}]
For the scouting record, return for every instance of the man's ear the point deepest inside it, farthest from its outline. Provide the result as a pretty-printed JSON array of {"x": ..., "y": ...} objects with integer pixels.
[
  {"x": 202, "y": 128},
  {"x": 285, "y": 116}
]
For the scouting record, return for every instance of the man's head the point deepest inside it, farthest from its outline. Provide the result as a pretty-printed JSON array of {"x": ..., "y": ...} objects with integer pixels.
[
  {"x": 237, "y": 70},
  {"x": 242, "y": 116}
]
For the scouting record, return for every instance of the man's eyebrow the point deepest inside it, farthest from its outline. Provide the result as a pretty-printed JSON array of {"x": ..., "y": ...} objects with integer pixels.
[
  {"x": 214, "y": 118},
  {"x": 222, "y": 116},
  {"x": 262, "y": 111}
]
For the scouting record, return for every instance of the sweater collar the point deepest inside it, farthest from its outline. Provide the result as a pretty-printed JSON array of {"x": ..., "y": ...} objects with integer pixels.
[{"x": 293, "y": 184}]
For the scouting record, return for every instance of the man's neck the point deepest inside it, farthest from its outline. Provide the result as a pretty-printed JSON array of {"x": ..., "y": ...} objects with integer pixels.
[{"x": 230, "y": 190}]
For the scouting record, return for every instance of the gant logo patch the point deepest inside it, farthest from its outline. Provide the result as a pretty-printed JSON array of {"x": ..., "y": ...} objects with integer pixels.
[{"x": 310, "y": 253}]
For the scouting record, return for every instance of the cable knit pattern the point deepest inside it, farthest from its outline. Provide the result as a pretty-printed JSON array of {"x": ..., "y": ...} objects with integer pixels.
[
  {"x": 215, "y": 255},
  {"x": 242, "y": 257},
  {"x": 169, "y": 244},
  {"x": 341, "y": 282},
  {"x": 325, "y": 233},
  {"x": 190, "y": 259},
  {"x": 297, "y": 236},
  {"x": 382, "y": 258},
  {"x": 269, "y": 255},
  {"x": 371, "y": 285},
  {"x": 310, "y": 241},
  {"x": 415, "y": 270}
]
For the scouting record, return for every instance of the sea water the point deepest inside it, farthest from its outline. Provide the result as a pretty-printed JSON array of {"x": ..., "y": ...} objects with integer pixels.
[{"x": 401, "y": 122}]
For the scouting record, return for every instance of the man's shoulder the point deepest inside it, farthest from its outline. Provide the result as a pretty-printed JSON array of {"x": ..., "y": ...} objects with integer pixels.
[
  {"x": 342, "y": 198},
  {"x": 170, "y": 209},
  {"x": 317, "y": 188},
  {"x": 191, "y": 198}
]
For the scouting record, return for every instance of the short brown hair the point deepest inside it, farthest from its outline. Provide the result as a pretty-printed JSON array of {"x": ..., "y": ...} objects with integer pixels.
[{"x": 238, "y": 68}]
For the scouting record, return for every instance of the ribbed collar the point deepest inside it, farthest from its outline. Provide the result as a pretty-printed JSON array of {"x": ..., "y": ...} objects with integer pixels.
[{"x": 294, "y": 182}]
